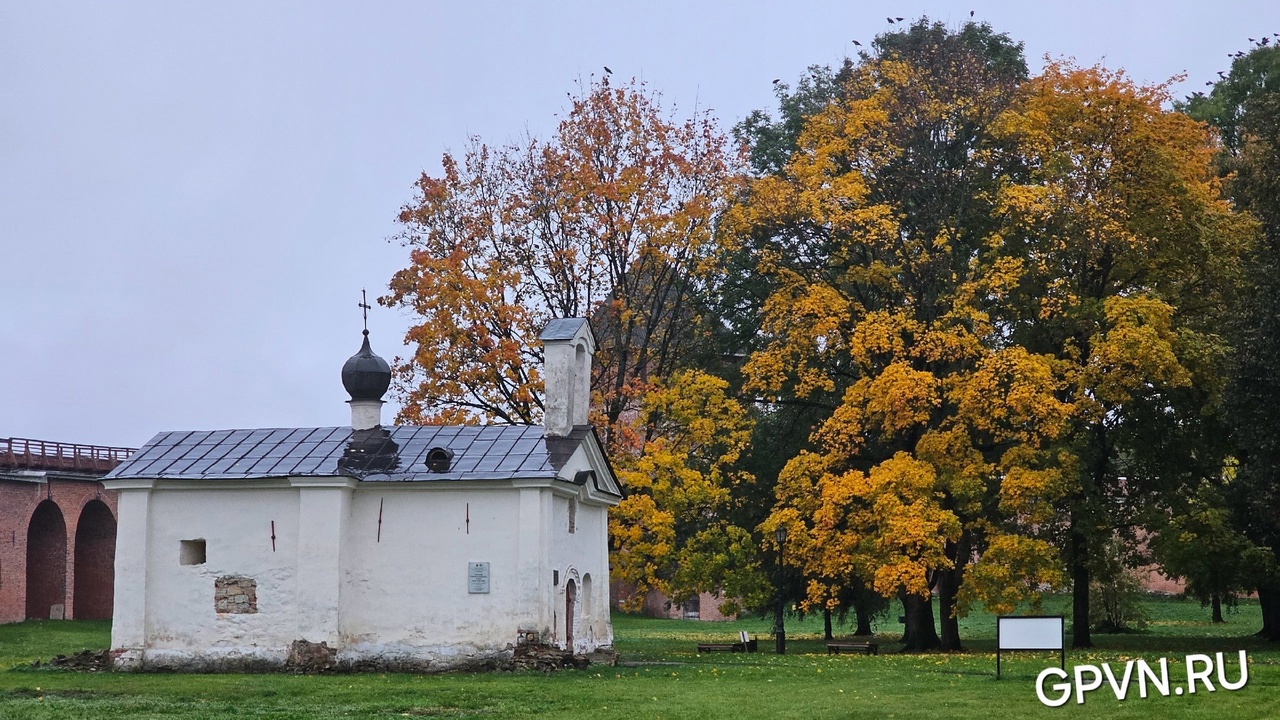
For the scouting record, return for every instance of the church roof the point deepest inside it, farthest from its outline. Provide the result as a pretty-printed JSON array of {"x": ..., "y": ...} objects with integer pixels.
[
  {"x": 563, "y": 329},
  {"x": 489, "y": 452}
]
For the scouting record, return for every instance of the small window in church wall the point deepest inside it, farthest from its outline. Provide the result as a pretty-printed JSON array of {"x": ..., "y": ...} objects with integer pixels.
[
  {"x": 192, "y": 552},
  {"x": 586, "y": 595},
  {"x": 573, "y": 515}
]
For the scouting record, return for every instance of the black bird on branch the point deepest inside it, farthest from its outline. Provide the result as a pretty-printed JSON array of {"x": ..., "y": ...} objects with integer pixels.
[
  {"x": 970, "y": 13},
  {"x": 607, "y": 70},
  {"x": 855, "y": 42},
  {"x": 890, "y": 20}
]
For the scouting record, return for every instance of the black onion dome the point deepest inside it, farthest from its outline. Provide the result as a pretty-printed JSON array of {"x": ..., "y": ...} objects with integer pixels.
[{"x": 365, "y": 375}]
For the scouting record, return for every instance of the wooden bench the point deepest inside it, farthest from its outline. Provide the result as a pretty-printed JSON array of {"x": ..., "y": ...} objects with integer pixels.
[
  {"x": 866, "y": 648},
  {"x": 721, "y": 647},
  {"x": 743, "y": 645}
]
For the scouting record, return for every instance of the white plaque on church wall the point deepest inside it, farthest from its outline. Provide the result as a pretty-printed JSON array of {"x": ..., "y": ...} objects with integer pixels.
[{"x": 477, "y": 577}]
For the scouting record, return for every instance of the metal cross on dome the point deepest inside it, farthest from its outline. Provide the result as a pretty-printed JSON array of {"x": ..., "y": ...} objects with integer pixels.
[{"x": 364, "y": 304}]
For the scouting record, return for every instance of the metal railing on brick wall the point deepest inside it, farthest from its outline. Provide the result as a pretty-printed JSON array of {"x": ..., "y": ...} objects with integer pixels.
[{"x": 28, "y": 454}]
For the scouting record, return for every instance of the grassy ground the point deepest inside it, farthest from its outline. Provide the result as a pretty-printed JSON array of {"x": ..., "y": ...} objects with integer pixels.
[{"x": 662, "y": 677}]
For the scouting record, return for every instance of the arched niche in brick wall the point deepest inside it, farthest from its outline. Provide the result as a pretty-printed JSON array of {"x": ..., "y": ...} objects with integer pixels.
[
  {"x": 95, "y": 553},
  {"x": 46, "y": 562}
]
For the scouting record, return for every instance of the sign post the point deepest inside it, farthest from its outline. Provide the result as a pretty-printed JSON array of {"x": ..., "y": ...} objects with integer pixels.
[{"x": 1031, "y": 633}]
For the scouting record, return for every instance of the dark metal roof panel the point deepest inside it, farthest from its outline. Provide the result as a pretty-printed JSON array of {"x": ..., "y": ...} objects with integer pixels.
[
  {"x": 479, "y": 453},
  {"x": 562, "y": 329}
]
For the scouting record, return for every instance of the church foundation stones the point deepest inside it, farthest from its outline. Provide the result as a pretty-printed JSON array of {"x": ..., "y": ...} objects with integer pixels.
[{"x": 309, "y": 657}]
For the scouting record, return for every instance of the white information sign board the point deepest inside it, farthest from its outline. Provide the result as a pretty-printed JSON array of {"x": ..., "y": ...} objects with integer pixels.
[
  {"x": 1030, "y": 633},
  {"x": 478, "y": 578}
]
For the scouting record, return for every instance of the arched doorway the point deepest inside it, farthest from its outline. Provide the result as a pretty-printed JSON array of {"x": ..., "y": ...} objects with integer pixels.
[
  {"x": 46, "y": 560},
  {"x": 570, "y": 599},
  {"x": 95, "y": 557}
]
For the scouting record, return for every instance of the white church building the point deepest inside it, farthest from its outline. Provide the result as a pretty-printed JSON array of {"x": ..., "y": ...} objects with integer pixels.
[{"x": 418, "y": 548}]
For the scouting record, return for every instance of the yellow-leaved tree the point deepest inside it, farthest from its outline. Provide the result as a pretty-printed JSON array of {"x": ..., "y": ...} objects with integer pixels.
[
  {"x": 1006, "y": 290},
  {"x": 891, "y": 299},
  {"x": 676, "y": 530},
  {"x": 1129, "y": 256}
]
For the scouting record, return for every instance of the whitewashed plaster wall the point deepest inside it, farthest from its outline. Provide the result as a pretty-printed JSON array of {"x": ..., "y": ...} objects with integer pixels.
[
  {"x": 174, "y": 604},
  {"x": 577, "y": 557},
  {"x": 395, "y": 599},
  {"x": 407, "y": 593},
  {"x": 582, "y": 554}
]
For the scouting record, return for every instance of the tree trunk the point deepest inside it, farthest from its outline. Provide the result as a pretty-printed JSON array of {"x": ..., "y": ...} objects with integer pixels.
[
  {"x": 950, "y": 624},
  {"x": 864, "y": 621},
  {"x": 1080, "y": 588},
  {"x": 1217, "y": 608},
  {"x": 1078, "y": 538},
  {"x": 863, "y": 609},
  {"x": 826, "y": 624},
  {"x": 920, "y": 633},
  {"x": 948, "y": 586},
  {"x": 1269, "y": 601}
]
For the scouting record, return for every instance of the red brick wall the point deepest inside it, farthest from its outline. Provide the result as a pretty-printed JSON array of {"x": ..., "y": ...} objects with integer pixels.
[
  {"x": 708, "y": 607},
  {"x": 1154, "y": 581},
  {"x": 657, "y": 605},
  {"x": 46, "y": 561},
  {"x": 95, "y": 557},
  {"x": 18, "y": 503}
]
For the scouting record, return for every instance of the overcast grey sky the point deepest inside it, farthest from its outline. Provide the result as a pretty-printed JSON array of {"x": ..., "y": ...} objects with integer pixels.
[{"x": 193, "y": 194}]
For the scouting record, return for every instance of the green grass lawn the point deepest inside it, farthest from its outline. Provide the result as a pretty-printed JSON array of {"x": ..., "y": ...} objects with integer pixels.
[{"x": 662, "y": 677}]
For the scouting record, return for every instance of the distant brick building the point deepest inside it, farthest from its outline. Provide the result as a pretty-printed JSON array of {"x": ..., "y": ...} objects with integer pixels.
[
  {"x": 705, "y": 606},
  {"x": 57, "y": 530}
]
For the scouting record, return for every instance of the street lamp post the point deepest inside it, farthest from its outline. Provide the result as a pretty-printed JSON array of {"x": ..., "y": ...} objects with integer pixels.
[{"x": 779, "y": 632}]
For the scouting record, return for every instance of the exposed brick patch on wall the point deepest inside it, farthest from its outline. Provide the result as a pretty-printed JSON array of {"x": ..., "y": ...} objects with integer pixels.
[
  {"x": 235, "y": 594},
  {"x": 530, "y": 637},
  {"x": 18, "y": 502}
]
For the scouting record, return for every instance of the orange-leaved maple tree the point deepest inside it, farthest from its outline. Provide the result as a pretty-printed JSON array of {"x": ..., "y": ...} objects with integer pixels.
[{"x": 610, "y": 219}]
